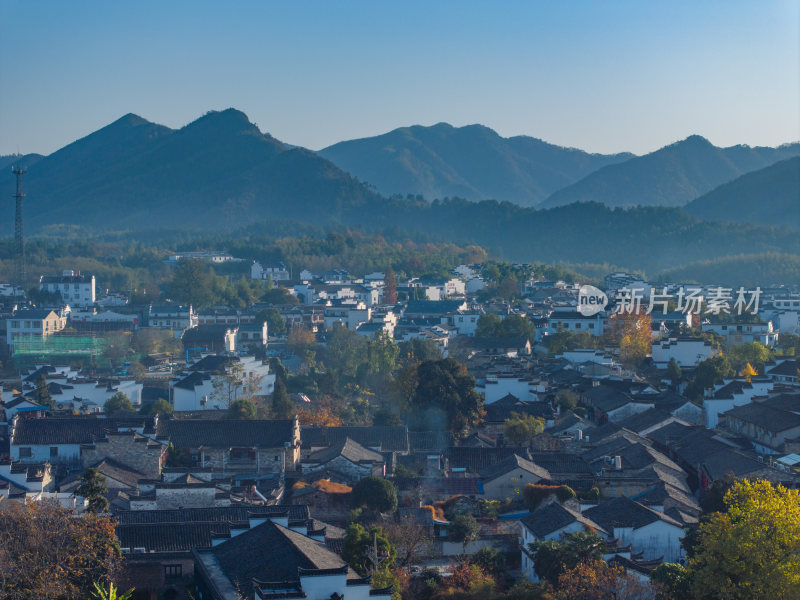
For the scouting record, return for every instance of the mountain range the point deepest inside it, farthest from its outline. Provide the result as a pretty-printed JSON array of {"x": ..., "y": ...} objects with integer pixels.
[
  {"x": 671, "y": 176},
  {"x": 221, "y": 172},
  {"x": 218, "y": 171},
  {"x": 471, "y": 162}
]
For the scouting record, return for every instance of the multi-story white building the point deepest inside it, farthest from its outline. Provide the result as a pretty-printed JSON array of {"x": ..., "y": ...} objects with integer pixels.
[{"x": 75, "y": 289}]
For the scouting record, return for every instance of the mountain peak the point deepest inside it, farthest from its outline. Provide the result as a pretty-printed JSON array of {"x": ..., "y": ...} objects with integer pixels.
[
  {"x": 129, "y": 120},
  {"x": 230, "y": 119}
]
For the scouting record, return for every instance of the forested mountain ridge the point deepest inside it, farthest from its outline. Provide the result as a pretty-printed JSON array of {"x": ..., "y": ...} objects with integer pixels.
[
  {"x": 671, "y": 176},
  {"x": 218, "y": 171},
  {"x": 769, "y": 196},
  {"x": 471, "y": 162}
]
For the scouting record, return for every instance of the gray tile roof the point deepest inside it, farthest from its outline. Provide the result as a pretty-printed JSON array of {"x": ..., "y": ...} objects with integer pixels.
[
  {"x": 226, "y": 433},
  {"x": 509, "y": 464},
  {"x": 623, "y": 512},
  {"x": 386, "y": 438},
  {"x": 764, "y": 417},
  {"x": 71, "y": 430},
  {"x": 552, "y": 517},
  {"x": 352, "y": 451},
  {"x": 270, "y": 553},
  {"x": 222, "y": 514}
]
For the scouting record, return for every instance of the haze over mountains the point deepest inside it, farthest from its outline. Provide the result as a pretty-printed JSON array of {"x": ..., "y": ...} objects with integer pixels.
[
  {"x": 671, "y": 176},
  {"x": 220, "y": 172},
  {"x": 471, "y": 162}
]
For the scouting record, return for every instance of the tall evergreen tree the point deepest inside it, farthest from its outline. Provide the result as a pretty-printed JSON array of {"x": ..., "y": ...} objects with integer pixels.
[{"x": 282, "y": 405}]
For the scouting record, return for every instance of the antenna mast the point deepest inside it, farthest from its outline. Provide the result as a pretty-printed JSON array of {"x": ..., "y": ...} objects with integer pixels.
[{"x": 19, "y": 231}]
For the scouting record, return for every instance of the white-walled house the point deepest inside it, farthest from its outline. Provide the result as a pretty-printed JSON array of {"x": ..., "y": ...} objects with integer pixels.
[
  {"x": 196, "y": 390},
  {"x": 731, "y": 393},
  {"x": 580, "y": 356},
  {"x": 744, "y": 333},
  {"x": 497, "y": 386},
  {"x": 466, "y": 323},
  {"x": 351, "y": 316},
  {"x": 687, "y": 352},
  {"x": 647, "y": 531},
  {"x": 575, "y": 322},
  {"x": 551, "y": 522},
  {"x": 786, "y": 371},
  {"x": 288, "y": 564}
]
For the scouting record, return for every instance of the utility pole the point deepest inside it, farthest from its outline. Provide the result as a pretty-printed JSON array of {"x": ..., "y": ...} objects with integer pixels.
[{"x": 19, "y": 231}]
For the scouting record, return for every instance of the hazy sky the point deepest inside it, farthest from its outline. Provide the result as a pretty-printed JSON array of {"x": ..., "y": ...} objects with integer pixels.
[{"x": 604, "y": 75}]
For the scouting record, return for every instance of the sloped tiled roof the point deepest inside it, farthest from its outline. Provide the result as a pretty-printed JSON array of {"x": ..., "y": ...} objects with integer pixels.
[
  {"x": 475, "y": 459},
  {"x": 509, "y": 464},
  {"x": 554, "y": 516},
  {"x": 428, "y": 441},
  {"x": 645, "y": 420},
  {"x": 624, "y": 512},
  {"x": 226, "y": 433},
  {"x": 71, "y": 430},
  {"x": 170, "y": 537},
  {"x": 561, "y": 463},
  {"x": 387, "y": 438},
  {"x": 282, "y": 554},
  {"x": 352, "y": 451},
  {"x": 764, "y": 417},
  {"x": 222, "y": 514}
]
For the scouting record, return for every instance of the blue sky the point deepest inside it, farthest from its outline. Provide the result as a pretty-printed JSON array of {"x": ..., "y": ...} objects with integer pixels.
[{"x": 605, "y": 76}]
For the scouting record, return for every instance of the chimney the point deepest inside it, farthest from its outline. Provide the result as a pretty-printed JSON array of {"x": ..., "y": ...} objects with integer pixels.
[{"x": 618, "y": 463}]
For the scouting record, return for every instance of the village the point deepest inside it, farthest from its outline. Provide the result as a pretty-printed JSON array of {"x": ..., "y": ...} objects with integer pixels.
[{"x": 363, "y": 436}]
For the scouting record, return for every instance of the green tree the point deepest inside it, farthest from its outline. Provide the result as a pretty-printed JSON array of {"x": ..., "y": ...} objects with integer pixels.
[
  {"x": 752, "y": 550},
  {"x": 282, "y": 405},
  {"x": 159, "y": 407},
  {"x": 93, "y": 487},
  {"x": 674, "y": 372},
  {"x": 382, "y": 354},
  {"x": 554, "y": 557},
  {"x": 41, "y": 394},
  {"x": 445, "y": 387},
  {"x": 278, "y": 369},
  {"x": 520, "y": 429},
  {"x": 753, "y": 353},
  {"x": 707, "y": 373},
  {"x": 191, "y": 283},
  {"x": 517, "y": 326},
  {"x": 359, "y": 549},
  {"x": 674, "y": 578},
  {"x": 491, "y": 560},
  {"x": 463, "y": 529},
  {"x": 243, "y": 409},
  {"x": 109, "y": 592},
  {"x": 418, "y": 350},
  {"x": 276, "y": 324},
  {"x": 119, "y": 402},
  {"x": 567, "y": 400},
  {"x": 376, "y": 494},
  {"x": 488, "y": 325}
]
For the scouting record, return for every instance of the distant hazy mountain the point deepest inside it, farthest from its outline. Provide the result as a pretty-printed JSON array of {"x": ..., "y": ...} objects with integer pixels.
[
  {"x": 769, "y": 196},
  {"x": 471, "y": 162},
  {"x": 671, "y": 176},
  {"x": 218, "y": 171},
  {"x": 24, "y": 160}
]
